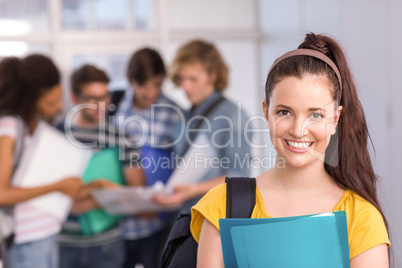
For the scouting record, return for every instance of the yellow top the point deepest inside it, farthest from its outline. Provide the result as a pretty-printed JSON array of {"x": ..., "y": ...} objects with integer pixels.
[{"x": 366, "y": 228}]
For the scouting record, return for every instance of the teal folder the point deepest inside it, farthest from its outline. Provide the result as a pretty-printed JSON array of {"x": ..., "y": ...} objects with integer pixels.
[
  {"x": 105, "y": 164},
  {"x": 311, "y": 241}
]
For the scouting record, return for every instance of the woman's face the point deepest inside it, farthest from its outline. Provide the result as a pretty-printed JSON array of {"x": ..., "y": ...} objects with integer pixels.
[
  {"x": 50, "y": 104},
  {"x": 301, "y": 118},
  {"x": 196, "y": 82}
]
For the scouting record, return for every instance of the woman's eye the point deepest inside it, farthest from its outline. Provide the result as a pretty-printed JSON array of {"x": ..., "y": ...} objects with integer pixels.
[
  {"x": 317, "y": 116},
  {"x": 283, "y": 113}
]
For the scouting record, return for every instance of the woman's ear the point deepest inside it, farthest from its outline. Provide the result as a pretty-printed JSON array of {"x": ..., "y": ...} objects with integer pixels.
[
  {"x": 265, "y": 111},
  {"x": 336, "y": 119}
]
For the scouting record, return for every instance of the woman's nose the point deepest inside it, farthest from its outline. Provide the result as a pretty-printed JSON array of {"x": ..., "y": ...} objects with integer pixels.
[{"x": 299, "y": 128}]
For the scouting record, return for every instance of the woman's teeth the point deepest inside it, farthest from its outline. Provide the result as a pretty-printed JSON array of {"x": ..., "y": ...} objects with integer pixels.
[{"x": 299, "y": 145}]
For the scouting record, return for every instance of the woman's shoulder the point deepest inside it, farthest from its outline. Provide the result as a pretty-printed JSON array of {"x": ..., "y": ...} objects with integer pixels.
[
  {"x": 355, "y": 204},
  {"x": 8, "y": 126},
  {"x": 8, "y": 119},
  {"x": 359, "y": 210},
  {"x": 211, "y": 207},
  {"x": 213, "y": 200},
  {"x": 366, "y": 225}
]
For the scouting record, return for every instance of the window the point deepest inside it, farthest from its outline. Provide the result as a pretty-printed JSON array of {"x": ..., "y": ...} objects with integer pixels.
[
  {"x": 20, "y": 17},
  {"x": 93, "y": 15}
]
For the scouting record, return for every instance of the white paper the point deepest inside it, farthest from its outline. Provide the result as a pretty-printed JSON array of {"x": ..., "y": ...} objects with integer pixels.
[
  {"x": 50, "y": 158},
  {"x": 192, "y": 169},
  {"x": 324, "y": 214},
  {"x": 130, "y": 200},
  {"x": 134, "y": 200}
]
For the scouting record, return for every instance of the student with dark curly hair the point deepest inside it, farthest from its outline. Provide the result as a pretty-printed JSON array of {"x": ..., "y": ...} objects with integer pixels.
[{"x": 29, "y": 91}]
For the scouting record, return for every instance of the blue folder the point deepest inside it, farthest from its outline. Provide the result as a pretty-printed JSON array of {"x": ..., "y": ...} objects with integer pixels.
[
  {"x": 158, "y": 164},
  {"x": 319, "y": 240},
  {"x": 158, "y": 167}
]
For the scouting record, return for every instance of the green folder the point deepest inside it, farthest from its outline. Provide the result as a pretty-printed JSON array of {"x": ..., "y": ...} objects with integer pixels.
[
  {"x": 104, "y": 164},
  {"x": 312, "y": 241}
]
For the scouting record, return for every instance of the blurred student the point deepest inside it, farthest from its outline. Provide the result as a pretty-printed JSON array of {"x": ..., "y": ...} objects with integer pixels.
[
  {"x": 200, "y": 70},
  {"x": 29, "y": 90},
  {"x": 89, "y": 126},
  {"x": 159, "y": 115}
]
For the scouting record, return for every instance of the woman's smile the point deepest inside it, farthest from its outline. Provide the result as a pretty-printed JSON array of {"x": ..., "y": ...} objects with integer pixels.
[{"x": 298, "y": 146}]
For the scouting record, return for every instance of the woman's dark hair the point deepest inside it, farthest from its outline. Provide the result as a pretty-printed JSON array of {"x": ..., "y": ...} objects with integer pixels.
[
  {"x": 23, "y": 82},
  {"x": 145, "y": 64},
  {"x": 87, "y": 74},
  {"x": 349, "y": 147}
]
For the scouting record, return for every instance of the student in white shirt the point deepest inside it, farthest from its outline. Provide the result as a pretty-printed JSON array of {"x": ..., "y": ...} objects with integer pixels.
[{"x": 29, "y": 89}]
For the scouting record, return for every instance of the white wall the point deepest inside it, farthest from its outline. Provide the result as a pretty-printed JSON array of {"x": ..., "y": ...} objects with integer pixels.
[
  {"x": 394, "y": 70},
  {"x": 228, "y": 24},
  {"x": 370, "y": 33}
]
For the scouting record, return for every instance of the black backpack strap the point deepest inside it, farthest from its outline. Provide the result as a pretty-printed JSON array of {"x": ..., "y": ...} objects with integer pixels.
[{"x": 240, "y": 197}]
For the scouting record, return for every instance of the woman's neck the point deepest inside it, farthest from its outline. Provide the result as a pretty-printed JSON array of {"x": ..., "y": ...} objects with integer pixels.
[{"x": 311, "y": 178}]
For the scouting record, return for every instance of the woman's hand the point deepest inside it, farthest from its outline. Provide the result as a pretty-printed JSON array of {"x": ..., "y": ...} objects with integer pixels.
[
  {"x": 103, "y": 184},
  {"x": 98, "y": 184},
  {"x": 69, "y": 186},
  {"x": 181, "y": 193},
  {"x": 83, "y": 205}
]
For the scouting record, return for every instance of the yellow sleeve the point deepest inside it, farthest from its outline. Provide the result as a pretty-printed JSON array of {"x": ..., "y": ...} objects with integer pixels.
[
  {"x": 367, "y": 228},
  {"x": 211, "y": 207}
]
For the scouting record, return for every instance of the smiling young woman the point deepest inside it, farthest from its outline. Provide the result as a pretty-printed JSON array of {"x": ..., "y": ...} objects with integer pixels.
[
  {"x": 317, "y": 125},
  {"x": 302, "y": 117}
]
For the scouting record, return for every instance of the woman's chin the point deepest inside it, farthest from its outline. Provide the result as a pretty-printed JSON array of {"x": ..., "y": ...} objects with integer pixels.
[{"x": 301, "y": 161}]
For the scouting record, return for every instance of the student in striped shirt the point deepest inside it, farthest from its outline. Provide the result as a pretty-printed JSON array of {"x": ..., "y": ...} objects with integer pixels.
[
  {"x": 29, "y": 89},
  {"x": 149, "y": 117},
  {"x": 89, "y": 126}
]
